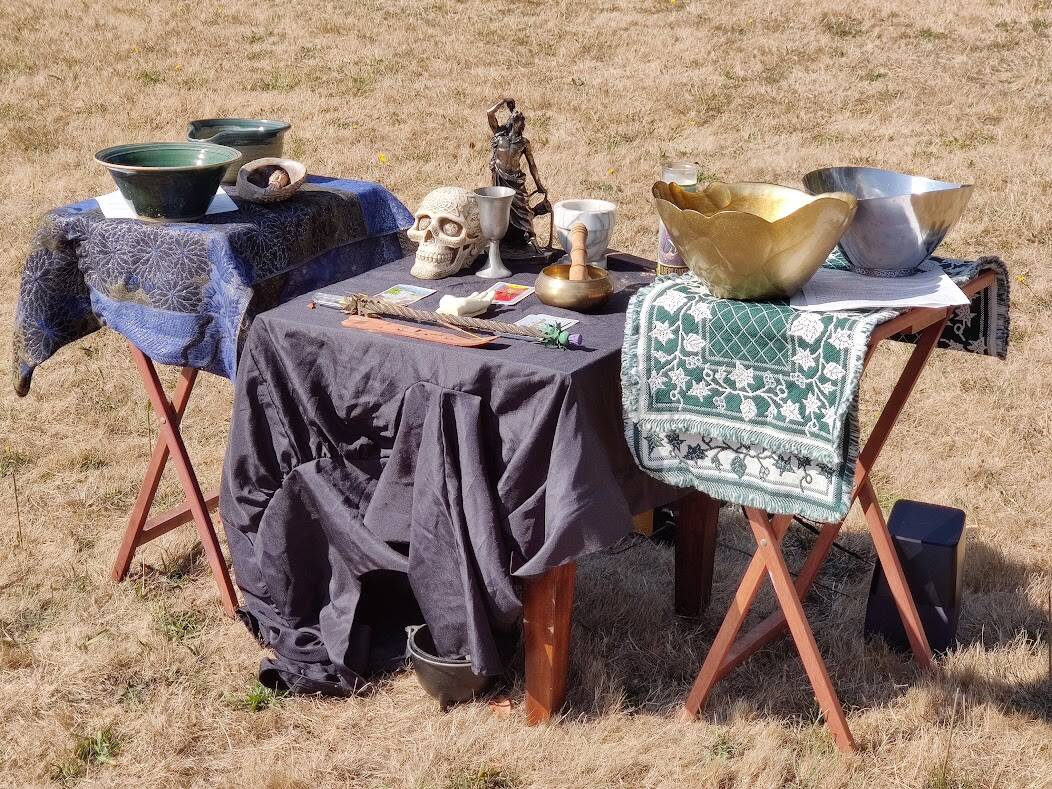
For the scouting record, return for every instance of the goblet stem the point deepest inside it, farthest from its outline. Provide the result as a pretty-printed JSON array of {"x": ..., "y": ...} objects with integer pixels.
[{"x": 495, "y": 268}]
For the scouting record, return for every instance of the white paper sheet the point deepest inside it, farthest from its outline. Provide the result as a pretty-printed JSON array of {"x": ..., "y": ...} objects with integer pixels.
[
  {"x": 830, "y": 290},
  {"x": 541, "y": 318},
  {"x": 114, "y": 206}
]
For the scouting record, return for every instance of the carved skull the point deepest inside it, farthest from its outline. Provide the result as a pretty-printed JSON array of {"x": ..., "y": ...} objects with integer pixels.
[{"x": 447, "y": 231}]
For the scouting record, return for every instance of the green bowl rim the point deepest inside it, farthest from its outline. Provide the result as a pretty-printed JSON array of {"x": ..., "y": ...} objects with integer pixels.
[
  {"x": 233, "y": 155},
  {"x": 203, "y": 121},
  {"x": 279, "y": 126}
]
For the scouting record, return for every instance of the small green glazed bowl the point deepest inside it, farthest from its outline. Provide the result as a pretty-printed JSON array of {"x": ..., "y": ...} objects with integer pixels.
[
  {"x": 173, "y": 181},
  {"x": 256, "y": 139}
]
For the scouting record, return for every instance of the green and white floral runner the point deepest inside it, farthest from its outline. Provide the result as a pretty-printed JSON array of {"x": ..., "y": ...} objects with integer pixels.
[{"x": 757, "y": 403}]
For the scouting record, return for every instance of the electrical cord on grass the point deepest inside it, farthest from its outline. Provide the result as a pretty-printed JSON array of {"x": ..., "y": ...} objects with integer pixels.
[
  {"x": 811, "y": 527},
  {"x": 635, "y": 539},
  {"x": 816, "y": 582}
]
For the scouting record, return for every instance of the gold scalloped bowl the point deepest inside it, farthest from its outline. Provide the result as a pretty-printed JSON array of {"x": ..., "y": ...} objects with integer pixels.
[{"x": 753, "y": 241}]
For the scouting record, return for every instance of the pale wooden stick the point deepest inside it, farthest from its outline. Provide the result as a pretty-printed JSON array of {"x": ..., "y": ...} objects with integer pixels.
[
  {"x": 578, "y": 253},
  {"x": 949, "y": 736},
  {"x": 365, "y": 305},
  {"x": 18, "y": 510},
  {"x": 361, "y": 304}
]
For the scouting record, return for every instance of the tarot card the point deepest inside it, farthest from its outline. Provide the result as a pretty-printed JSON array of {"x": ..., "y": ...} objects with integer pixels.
[
  {"x": 404, "y": 294},
  {"x": 507, "y": 293},
  {"x": 540, "y": 319}
]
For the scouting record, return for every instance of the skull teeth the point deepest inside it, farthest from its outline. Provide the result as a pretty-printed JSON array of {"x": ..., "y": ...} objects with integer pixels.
[
  {"x": 434, "y": 261},
  {"x": 430, "y": 254}
]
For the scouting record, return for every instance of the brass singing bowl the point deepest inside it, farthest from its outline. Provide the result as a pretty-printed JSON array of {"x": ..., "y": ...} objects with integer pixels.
[
  {"x": 555, "y": 288},
  {"x": 753, "y": 240}
]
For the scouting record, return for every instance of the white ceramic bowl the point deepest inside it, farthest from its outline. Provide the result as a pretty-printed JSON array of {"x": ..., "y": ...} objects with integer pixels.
[{"x": 597, "y": 215}]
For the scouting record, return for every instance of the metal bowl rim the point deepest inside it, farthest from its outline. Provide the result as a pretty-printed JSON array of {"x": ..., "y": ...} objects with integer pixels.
[
  {"x": 604, "y": 278},
  {"x": 418, "y": 652},
  {"x": 838, "y": 196},
  {"x": 943, "y": 186},
  {"x": 506, "y": 191}
]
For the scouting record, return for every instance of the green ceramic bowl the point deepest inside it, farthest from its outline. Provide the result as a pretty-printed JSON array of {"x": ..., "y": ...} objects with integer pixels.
[
  {"x": 256, "y": 139},
  {"x": 172, "y": 181}
]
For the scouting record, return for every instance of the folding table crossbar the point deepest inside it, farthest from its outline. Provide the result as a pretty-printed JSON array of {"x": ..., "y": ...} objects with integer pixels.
[
  {"x": 727, "y": 650},
  {"x": 141, "y": 528}
]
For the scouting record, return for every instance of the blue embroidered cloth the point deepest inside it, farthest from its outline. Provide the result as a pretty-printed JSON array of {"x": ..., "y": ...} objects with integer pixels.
[
  {"x": 184, "y": 292},
  {"x": 756, "y": 403}
]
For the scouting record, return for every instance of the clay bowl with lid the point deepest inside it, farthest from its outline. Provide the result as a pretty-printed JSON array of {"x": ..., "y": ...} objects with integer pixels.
[{"x": 255, "y": 138}]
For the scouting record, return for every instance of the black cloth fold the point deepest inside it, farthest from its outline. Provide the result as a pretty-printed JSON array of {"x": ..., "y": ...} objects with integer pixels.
[{"x": 373, "y": 482}]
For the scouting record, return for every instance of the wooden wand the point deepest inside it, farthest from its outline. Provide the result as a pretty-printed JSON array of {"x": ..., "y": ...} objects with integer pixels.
[{"x": 552, "y": 335}]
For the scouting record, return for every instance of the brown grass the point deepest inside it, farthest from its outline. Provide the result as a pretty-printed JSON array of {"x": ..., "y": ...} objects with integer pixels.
[{"x": 145, "y": 683}]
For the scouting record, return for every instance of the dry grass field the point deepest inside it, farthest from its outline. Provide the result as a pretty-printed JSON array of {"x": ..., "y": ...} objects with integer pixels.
[{"x": 147, "y": 684}]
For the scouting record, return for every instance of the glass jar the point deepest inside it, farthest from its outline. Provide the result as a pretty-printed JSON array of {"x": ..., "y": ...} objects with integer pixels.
[{"x": 685, "y": 174}]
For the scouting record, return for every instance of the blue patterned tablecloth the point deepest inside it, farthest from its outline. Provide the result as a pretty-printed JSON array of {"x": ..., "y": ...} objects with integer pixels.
[{"x": 184, "y": 292}]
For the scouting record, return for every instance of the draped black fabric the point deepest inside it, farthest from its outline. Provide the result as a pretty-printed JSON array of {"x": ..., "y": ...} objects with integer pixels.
[{"x": 373, "y": 482}]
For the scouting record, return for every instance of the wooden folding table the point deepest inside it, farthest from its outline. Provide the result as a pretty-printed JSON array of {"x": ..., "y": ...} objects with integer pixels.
[{"x": 727, "y": 650}]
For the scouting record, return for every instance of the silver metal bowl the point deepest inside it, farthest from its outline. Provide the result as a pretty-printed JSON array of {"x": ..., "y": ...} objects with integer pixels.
[{"x": 900, "y": 221}]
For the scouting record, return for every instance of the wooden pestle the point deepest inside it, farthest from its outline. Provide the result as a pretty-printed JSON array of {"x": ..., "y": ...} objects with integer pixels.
[{"x": 578, "y": 253}]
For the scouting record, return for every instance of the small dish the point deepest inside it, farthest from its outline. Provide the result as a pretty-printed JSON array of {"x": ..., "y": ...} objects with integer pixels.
[{"x": 269, "y": 193}]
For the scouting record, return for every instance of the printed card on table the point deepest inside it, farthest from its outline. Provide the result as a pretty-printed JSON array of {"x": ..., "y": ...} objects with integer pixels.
[
  {"x": 508, "y": 293},
  {"x": 404, "y": 294},
  {"x": 541, "y": 319}
]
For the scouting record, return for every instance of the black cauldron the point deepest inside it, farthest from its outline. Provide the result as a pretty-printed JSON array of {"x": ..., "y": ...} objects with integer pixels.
[{"x": 449, "y": 680}]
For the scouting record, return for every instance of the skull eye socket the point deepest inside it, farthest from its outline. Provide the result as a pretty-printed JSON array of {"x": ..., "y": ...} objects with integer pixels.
[
  {"x": 451, "y": 228},
  {"x": 422, "y": 222}
]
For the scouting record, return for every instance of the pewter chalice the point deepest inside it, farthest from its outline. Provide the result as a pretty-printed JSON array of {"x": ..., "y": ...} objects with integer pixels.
[{"x": 494, "y": 204}]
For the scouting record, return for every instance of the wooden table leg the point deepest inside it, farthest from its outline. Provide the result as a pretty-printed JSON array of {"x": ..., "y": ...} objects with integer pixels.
[
  {"x": 696, "y": 528},
  {"x": 774, "y": 626},
  {"x": 867, "y": 497},
  {"x": 889, "y": 561},
  {"x": 148, "y": 490},
  {"x": 727, "y": 651},
  {"x": 713, "y": 667},
  {"x": 768, "y": 546},
  {"x": 196, "y": 507},
  {"x": 547, "y": 611}
]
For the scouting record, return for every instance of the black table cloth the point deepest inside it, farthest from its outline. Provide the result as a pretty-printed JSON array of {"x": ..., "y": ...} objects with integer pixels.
[{"x": 373, "y": 482}]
